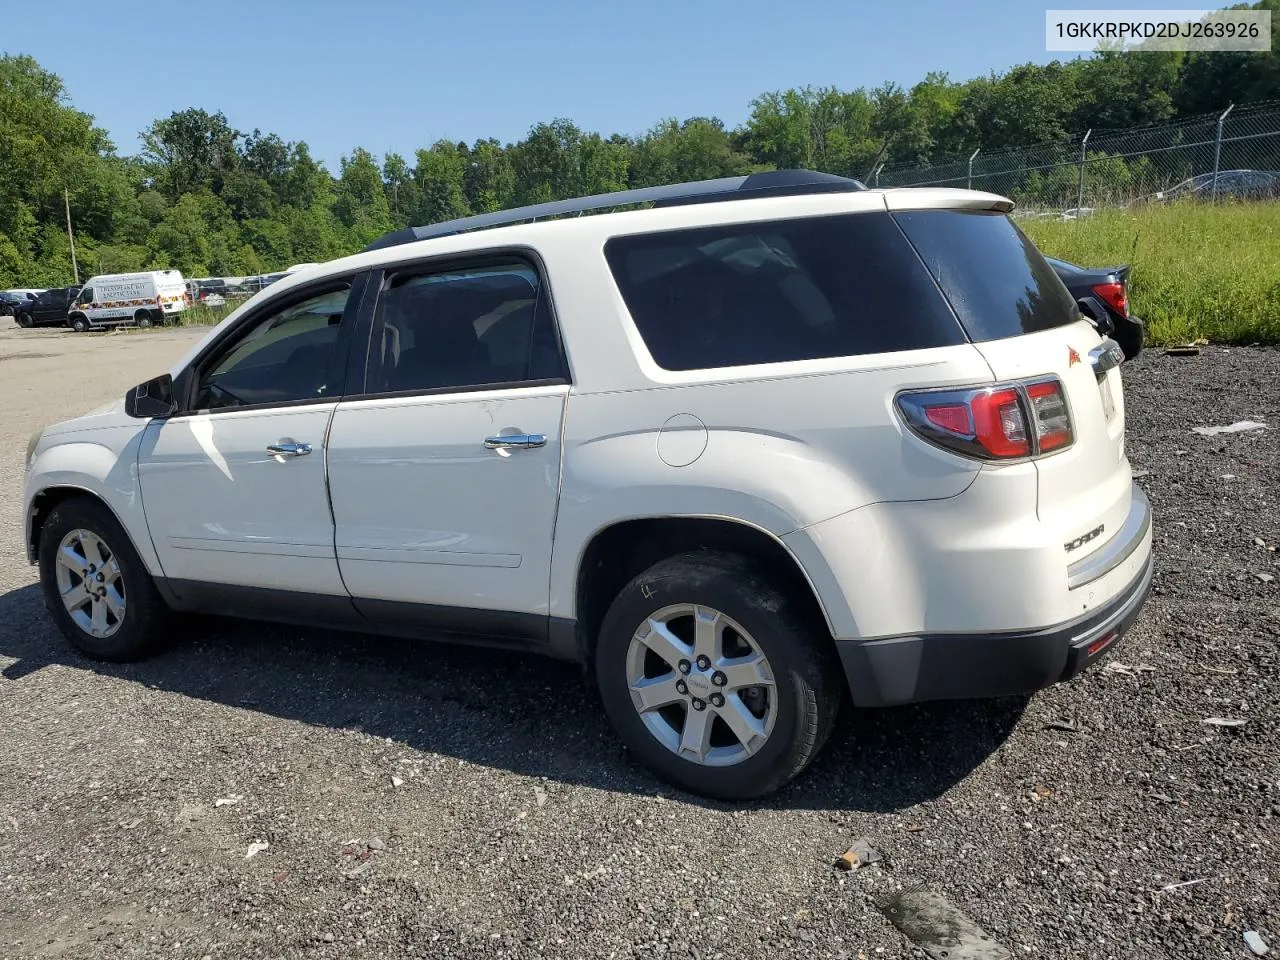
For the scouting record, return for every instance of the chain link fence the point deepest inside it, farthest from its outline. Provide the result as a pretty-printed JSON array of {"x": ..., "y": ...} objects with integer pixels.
[{"x": 1235, "y": 154}]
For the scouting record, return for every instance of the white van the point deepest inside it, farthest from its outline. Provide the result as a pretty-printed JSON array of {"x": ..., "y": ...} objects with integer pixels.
[{"x": 116, "y": 298}]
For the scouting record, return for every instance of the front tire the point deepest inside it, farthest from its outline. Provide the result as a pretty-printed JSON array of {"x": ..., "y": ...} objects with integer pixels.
[
  {"x": 143, "y": 318},
  {"x": 79, "y": 324},
  {"x": 95, "y": 584},
  {"x": 715, "y": 678}
]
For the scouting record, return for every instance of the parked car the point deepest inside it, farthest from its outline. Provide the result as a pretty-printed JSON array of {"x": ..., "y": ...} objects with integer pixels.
[
  {"x": 1108, "y": 288},
  {"x": 775, "y": 443},
  {"x": 1228, "y": 185},
  {"x": 211, "y": 291},
  {"x": 146, "y": 298},
  {"x": 12, "y": 300},
  {"x": 48, "y": 308},
  {"x": 252, "y": 285}
]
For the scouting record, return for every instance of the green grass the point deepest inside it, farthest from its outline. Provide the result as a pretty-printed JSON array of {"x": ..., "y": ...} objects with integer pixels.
[
  {"x": 1198, "y": 270},
  {"x": 198, "y": 315}
]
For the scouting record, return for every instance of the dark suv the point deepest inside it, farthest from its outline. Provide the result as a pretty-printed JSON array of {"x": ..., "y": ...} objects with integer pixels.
[{"x": 47, "y": 309}]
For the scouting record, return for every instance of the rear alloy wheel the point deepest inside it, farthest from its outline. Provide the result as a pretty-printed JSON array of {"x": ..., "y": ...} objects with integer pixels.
[
  {"x": 143, "y": 318},
  {"x": 715, "y": 678},
  {"x": 79, "y": 324},
  {"x": 713, "y": 701},
  {"x": 95, "y": 584}
]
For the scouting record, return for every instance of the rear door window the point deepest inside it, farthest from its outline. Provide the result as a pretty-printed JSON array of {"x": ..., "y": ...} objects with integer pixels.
[
  {"x": 464, "y": 329},
  {"x": 781, "y": 290},
  {"x": 996, "y": 280}
]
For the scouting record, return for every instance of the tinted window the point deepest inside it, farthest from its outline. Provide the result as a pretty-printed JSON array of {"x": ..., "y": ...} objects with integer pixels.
[
  {"x": 86, "y": 295},
  {"x": 463, "y": 329},
  {"x": 783, "y": 290},
  {"x": 288, "y": 356},
  {"x": 997, "y": 281}
]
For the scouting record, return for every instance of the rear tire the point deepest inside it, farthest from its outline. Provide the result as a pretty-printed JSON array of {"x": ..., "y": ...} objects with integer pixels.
[
  {"x": 96, "y": 586},
  {"x": 23, "y": 320},
  {"x": 79, "y": 324},
  {"x": 786, "y": 718}
]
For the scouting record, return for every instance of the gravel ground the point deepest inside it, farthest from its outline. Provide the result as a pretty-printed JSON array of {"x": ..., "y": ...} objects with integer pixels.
[{"x": 515, "y": 825}]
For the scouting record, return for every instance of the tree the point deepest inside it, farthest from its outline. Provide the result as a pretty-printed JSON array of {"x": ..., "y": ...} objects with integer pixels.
[
  {"x": 490, "y": 178},
  {"x": 698, "y": 149},
  {"x": 190, "y": 150},
  {"x": 359, "y": 201},
  {"x": 439, "y": 177}
]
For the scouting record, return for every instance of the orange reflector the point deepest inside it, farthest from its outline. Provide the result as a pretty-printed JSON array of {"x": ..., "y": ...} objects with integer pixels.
[{"x": 1102, "y": 642}]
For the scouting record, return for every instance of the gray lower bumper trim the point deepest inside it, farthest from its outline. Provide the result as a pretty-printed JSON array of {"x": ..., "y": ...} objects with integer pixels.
[{"x": 1116, "y": 550}]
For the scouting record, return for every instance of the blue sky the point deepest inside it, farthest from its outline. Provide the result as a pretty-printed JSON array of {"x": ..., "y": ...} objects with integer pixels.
[{"x": 393, "y": 75}]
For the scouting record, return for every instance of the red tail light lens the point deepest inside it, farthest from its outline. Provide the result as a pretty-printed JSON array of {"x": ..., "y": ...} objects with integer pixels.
[
  {"x": 1049, "y": 411},
  {"x": 991, "y": 423},
  {"x": 952, "y": 417},
  {"x": 999, "y": 423},
  {"x": 1115, "y": 296}
]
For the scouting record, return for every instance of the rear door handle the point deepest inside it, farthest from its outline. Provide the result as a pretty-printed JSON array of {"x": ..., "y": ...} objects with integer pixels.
[
  {"x": 286, "y": 448},
  {"x": 516, "y": 441}
]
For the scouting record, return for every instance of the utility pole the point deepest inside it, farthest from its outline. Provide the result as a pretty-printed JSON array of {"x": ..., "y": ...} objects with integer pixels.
[
  {"x": 75, "y": 267},
  {"x": 969, "y": 181}
]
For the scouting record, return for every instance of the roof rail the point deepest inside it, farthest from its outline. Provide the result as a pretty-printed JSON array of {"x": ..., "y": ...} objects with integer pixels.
[{"x": 774, "y": 183}]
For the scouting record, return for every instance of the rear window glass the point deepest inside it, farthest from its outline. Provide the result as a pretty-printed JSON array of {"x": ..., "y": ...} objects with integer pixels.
[
  {"x": 996, "y": 280},
  {"x": 781, "y": 290}
]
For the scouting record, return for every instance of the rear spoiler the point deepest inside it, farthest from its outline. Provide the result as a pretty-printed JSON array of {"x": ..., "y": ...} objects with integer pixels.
[{"x": 943, "y": 198}]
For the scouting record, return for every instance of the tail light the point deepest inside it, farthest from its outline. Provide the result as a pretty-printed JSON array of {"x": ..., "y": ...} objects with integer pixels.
[
  {"x": 1115, "y": 296},
  {"x": 1005, "y": 422}
]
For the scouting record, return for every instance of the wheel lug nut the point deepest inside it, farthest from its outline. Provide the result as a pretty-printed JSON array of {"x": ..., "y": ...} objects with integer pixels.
[
  {"x": 685, "y": 666},
  {"x": 704, "y": 662},
  {"x": 699, "y": 704},
  {"x": 719, "y": 679},
  {"x": 682, "y": 687},
  {"x": 717, "y": 699}
]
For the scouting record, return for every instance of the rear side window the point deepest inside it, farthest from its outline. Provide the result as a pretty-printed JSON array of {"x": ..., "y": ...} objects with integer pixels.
[
  {"x": 464, "y": 330},
  {"x": 996, "y": 280},
  {"x": 782, "y": 290}
]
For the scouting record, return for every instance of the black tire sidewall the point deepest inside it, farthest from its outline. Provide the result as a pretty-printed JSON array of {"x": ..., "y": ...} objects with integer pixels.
[
  {"x": 24, "y": 320},
  {"x": 1130, "y": 335},
  {"x": 731, "y": 586},
  {"x": 133, "y": 639},
  {"x": 79, "y": 324}
]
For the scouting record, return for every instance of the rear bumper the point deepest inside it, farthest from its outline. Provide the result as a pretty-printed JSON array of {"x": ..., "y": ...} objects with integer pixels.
[{"x": 897, "y": 670}]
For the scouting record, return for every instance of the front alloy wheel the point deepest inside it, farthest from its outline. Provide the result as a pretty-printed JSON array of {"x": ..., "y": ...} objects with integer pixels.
[
  {"x": 95, "y": 585},
  {"x": 90, "y": 584}
]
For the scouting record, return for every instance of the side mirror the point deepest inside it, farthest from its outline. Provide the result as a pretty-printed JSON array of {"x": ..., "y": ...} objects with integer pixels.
[
  {"x": 151, "y": 399},
  {"x": 1094, "y": 310}
]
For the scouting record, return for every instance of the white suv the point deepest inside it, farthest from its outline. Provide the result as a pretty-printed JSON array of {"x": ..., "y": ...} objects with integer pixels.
[{"x": 771, "y": 442}]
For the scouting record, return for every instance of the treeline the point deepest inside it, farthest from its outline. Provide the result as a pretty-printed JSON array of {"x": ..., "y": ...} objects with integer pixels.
[{"x": 211, "y": 200}]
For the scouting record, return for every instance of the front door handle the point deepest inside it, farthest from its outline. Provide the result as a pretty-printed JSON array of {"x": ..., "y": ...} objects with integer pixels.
[
  {"x": 516, "y": 441},
  {"x": 287, "y": 449}
]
